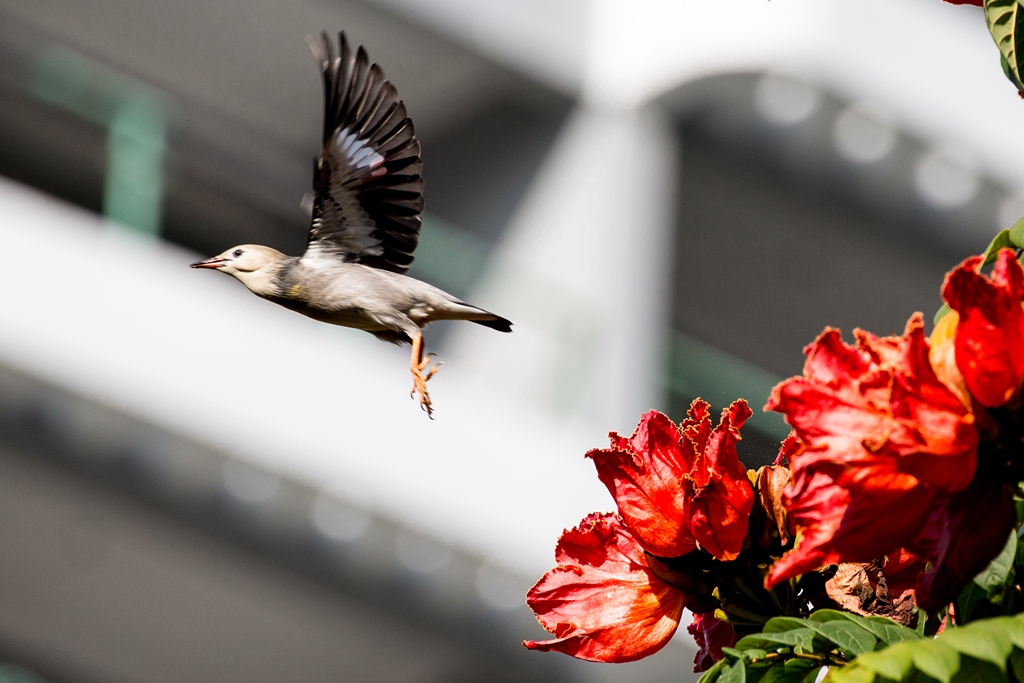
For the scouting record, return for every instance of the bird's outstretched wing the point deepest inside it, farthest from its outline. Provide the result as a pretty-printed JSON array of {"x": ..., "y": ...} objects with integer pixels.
[{"x": 367, "y": 183}]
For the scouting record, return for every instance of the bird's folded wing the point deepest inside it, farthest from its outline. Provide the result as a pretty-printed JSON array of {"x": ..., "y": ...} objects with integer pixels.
[{"x": 367, "y": 183}]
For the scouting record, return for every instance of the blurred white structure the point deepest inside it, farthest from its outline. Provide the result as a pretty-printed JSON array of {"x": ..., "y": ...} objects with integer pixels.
[
  {"x": 584, "y": 268},
  {"x": 933, "y": 64},
  {"x": 584, "y": 265}
]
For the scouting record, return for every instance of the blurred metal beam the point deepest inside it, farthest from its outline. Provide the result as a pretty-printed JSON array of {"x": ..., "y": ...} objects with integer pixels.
[{"x": 135, "y": 117}]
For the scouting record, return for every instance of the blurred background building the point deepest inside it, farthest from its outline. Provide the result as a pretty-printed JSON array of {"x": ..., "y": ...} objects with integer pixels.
[{"x": 668, "y": 198}]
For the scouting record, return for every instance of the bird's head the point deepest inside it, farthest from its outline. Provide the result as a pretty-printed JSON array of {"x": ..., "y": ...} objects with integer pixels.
[{"x": 254, "y": 265}]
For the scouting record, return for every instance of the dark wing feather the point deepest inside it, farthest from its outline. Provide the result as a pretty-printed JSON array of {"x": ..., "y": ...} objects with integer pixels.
[{"x": 367, "y": 183}]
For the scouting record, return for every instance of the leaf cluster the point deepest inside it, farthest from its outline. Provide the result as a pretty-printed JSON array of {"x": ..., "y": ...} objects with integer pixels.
[
  {"x": 792, "y": 650},
  {"x": 983, "y": 646},
  {"x": 989, "y": 650}
]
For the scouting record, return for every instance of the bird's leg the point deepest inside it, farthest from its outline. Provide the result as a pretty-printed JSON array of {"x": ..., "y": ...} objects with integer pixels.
[{"x": 418, "y": 363}]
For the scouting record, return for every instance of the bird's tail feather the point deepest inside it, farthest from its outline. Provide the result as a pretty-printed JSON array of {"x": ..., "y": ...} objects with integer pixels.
[
  {"x": 460, "y": 310},
  {"x": 496, "y": 323}
]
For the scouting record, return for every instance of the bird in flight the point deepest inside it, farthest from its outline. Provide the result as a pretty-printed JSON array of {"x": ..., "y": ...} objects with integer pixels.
[{"x": 368, "y": 197}]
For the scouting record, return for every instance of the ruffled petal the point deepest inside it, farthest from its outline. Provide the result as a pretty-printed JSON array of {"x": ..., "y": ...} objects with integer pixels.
[
  {"x": 881, "y": 433},
  {"x": 849, "y": 514},
  {"x": 711, "y": 635},
  {"x": 990, "y": 334},
  {"x": 602, "y": 603},
  {"x": 644, "y": 475},
  {"x": 720, "y": 495}
]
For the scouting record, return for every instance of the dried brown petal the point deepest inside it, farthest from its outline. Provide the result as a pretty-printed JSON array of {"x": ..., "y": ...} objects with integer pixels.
[
  {"x": 851, "y": 588},
  {"x": 771, "y": 480}
]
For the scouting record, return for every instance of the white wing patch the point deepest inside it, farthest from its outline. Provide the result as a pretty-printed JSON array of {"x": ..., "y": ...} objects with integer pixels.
[{"x": 358, "y": 153}]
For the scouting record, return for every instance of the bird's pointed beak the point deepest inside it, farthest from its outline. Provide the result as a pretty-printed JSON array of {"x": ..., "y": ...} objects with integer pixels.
[{"x": 208, "y": 263}]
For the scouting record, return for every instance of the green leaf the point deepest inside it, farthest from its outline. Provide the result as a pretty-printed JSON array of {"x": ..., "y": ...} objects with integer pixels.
[
  {"x": 941, "y": 663},
  {"x": 994, "y": 576},
  {"x": 801, "y": 638},
  {"x": 885, "y": 630},
  {"x": 990, "y": 585},
  {"x": 1000, "y": 241},
  {"x": 774, "y": 674},
  {"x": 792, "y": 671},
  {"x": 712, "y": 674},
  {"x": 893, "y": 662},
  {"x": 851, "y": 673},
  {"x": 1004, "y": 18},
  {"x": 1008, "y": 73},
  {"x": 976, "y": 671},
  {"x": 734, "y": 673},
  {"x": 746, "y": 654},
  {"x": 751, "y": 642},
  {"x": 985, "y": 640},
  {"x": 812, "y": 675},
  {"x": 783, "y": 624},
  {"x": 823, "y": 615},
  {"x": 848, "y": 636},
  {"x": 1014, "y": 630},
  {"x": 756, "y": 672},
  {"x": 968, "y": 599},
  {"x": 888, "y": 631},
  {"x": 784, "y": 631},
  {"x": 1017, "y": 232},
  {"x": 1017, "y": 663}
]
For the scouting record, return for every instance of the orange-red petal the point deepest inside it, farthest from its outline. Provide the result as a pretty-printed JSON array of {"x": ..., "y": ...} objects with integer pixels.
[
  {"x": 883, "y": 438},
  {"x": 853, "y": 515},
  {"x": 990, "y": 335},
  {"x": 644, "y": 474},
  {"x": 719, "y": 493},
  {"x": 601, "y": 602},
  {"x": 676, "y": 487}
]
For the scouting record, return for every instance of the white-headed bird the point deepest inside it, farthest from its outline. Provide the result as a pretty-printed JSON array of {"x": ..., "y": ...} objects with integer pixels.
[{"x": 368, "y": 197}]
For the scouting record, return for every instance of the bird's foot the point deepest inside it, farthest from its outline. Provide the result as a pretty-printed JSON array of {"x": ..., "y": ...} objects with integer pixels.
[
  {"x": 422, "y": 365},
  {"x": 419, "y": 382}
]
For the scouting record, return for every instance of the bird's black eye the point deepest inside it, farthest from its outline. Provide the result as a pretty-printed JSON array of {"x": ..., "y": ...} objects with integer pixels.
[{"x": 237, "y": 253}]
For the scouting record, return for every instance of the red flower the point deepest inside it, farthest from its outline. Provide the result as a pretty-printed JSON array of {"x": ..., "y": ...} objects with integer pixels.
[
  {"x": 989, "y": 339},
  {"x": 961, "y": 537},
  {"x": 711, "y": 635},
  {"x": 677, "y": 487},
  {"x": 601, "y": 602},
  {"x": 883, "y": 439}
]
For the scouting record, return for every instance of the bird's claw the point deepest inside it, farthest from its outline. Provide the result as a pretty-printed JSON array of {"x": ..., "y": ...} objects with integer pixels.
[
  {"x": 419, "y": 386},
  {"x": 433, "y": 370},
  {"x": 419, "y": 383},
  {"x": 426, "y": 361}
]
